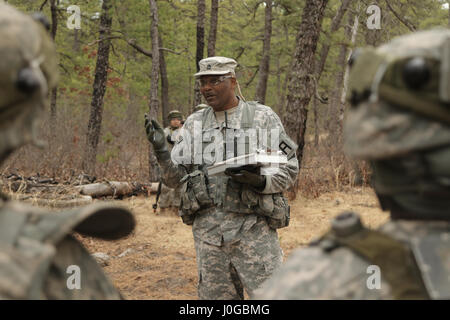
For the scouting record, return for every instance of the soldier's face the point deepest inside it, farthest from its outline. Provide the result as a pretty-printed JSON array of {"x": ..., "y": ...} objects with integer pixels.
[
  {"x": 175, "y": 123},
  {"x": 217, "y": 94}
]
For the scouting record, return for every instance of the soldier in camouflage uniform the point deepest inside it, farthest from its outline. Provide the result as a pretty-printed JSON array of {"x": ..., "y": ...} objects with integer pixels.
[
  {"x": 400, "y": 122},
  {"x": 234, "y": 216},
  {"x": 171, "y": 197},
  {"x": 39, "y": 258}
]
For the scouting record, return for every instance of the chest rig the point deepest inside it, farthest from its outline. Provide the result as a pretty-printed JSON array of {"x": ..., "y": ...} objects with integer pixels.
[{"x": 222, "y": 192}]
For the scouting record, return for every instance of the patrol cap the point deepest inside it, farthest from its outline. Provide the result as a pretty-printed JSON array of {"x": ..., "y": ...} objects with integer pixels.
[
  {"x": 175, "y": 114},
  {"x": 216, "y": 66}
]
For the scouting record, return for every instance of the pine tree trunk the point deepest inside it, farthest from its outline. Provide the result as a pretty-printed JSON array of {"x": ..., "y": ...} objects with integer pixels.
[
  {"x": 154, "y": 102},
  {"x": 301, "y": 84},
  {"x": 54, "y": 92},
  {"x": 264, "y": 64},
  {"x": 335, "y": 24},
  {"x": 101, "y": 76},
  {"x": 164, "y": 84},
  {"x": 334, "y": 107},
  {"x": 213, "y": 28},
  {"x": 201, "y": 8}
]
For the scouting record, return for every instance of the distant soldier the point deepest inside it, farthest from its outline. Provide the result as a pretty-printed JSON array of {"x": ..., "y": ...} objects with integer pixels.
[
  {"x": 400, "y": 122},
  {"x": 234, "y": 216},
  {"x": 171, "y": 197},
  {"x": 39, "y": 257}
]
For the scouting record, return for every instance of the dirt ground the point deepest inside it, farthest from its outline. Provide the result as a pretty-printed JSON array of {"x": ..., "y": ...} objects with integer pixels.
[{"x": 158, "y": 260}]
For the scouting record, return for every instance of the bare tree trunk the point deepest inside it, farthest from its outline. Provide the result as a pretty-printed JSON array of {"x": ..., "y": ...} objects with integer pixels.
[
  {"x": 101, "y": 75},
  {"x": 213, "y": 28},
  {"x": 154, "y": 102},
  {"x": 286, "y": 77},
  {"x": 301, "y": 84},
  {"x": 54, "y": 92},
  {"x": 76, "y": 40},
  {"x": 264, "y": 64},
  {"x": 335, "y": 103},
  {"x": 353, "y": 33},
  {"x": 335, "y": 24},
  {"x": 316, "y": 123},
  {"x": 164, "y": 84},
  {"x": 201, "y": 8},
  {"x": 320, "y": 64},
  {"x": 372, "y": 37}
]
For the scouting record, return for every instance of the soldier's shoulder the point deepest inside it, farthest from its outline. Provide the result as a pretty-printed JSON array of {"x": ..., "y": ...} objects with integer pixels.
[
  {"x": 260, "y": 107},
  {"x": 316, "y": 273},
  {"x": 196, "y": 116}
]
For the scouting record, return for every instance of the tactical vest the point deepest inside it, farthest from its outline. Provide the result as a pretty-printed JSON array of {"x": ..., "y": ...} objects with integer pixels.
[
  {"x": 38, "y": 254},
  {"x": 404, "y": 266},
  {"x": 201, "y": 193}
]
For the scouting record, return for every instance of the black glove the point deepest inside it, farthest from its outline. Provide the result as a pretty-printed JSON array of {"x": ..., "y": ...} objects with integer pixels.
[
  {"x": 247, "y": 175},
  {"x": 156, "y": 136}
]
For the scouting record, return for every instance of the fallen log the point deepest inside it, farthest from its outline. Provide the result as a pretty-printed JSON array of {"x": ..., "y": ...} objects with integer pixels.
[
  {"x": 102, "y": 189},
  {"x": 115, "y": 189},
  {"x": 65, "y": 202}
]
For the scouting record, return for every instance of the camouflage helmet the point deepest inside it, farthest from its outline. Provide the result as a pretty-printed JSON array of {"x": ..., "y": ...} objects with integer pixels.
[
  {"x": 400, "y": 96},
  {"x": 28, "y": 71},
  {"x": 400, "y": 121},
  {"x": 175, "y": 114},
  {"x": 200, "y": 107}
]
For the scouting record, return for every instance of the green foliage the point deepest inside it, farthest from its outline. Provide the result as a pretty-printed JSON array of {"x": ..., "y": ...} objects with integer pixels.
[{"x": 240, "y": 31}]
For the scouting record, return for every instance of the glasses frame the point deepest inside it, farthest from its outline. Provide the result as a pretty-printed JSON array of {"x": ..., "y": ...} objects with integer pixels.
[{"x": 214, "y": 83}]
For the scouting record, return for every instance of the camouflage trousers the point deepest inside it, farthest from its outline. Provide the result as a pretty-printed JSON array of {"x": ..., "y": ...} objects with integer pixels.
[
  {"x": 169, "y": 197},
  {"x": 225, "y": 271}
]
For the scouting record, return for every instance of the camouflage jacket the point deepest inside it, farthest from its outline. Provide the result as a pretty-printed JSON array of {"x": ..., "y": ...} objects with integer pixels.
[
  {"x": 229, "y": 218},
  {"x": 317, "y": 273}
]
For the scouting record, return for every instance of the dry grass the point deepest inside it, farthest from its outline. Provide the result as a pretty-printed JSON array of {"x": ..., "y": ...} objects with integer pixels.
[{"x": 162, "y": 262}]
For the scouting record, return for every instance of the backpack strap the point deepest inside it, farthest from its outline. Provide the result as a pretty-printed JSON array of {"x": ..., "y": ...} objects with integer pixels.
[{"x": 394, "y": 258}]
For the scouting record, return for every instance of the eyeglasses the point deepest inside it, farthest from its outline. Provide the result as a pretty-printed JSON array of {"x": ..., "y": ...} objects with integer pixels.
[{"x": 212, "y": 82}]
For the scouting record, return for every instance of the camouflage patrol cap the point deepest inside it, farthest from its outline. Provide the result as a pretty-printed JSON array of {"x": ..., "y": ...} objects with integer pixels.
[
  {"x": 175, "y": 114},
  {"x": 216, "y": 66},
  {"x": 200, "y": 107},
  {"x": 28, "y": 71},
  {"x": 400, "y": 96}
]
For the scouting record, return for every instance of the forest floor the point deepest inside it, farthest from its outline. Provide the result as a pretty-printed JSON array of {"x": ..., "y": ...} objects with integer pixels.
[{"x": 158, "y": 260}]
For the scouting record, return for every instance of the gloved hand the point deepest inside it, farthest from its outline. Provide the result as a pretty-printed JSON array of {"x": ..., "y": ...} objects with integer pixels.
[
  {"x": 156, "y": 136},
  {"x": 244, "y": 176},
  {"x": 155, "y": 133}
]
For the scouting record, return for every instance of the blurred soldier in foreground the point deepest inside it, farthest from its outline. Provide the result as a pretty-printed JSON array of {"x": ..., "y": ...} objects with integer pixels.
[
  {"x": 234, "y": 215},
  {"x": 400, "y": 122},
  {"x": 39, "y": 258},
  {"x": 171, "y": 197}
]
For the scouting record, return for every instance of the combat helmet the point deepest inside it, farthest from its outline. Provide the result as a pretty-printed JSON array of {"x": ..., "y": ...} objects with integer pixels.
[
  {"x": 400, "y": 121},
  {"x": 28, "y": 71}
]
